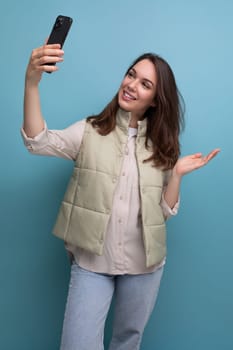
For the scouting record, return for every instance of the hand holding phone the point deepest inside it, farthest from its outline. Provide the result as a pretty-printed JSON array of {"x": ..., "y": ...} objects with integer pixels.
[{"x": 59, "y": 32}]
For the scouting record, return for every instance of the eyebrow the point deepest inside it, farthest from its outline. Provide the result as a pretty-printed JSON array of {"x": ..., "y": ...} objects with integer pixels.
[{"x": 148, "y": 80}]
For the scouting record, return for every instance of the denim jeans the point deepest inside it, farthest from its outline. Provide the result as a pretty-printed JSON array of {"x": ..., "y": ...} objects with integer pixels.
[{"x": 89, "y": 299}]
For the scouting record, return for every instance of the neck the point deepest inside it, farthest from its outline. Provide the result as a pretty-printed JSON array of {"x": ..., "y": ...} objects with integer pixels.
[
  {"x": 134, "y": 120},
  {"x": 133, "y": 123}
]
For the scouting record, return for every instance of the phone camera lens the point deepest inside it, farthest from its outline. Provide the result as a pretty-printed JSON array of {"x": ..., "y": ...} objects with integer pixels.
[{"x": 59, "y": 22}]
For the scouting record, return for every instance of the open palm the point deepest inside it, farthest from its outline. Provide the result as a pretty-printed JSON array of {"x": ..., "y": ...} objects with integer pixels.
[{"x": 192, "y": 162}]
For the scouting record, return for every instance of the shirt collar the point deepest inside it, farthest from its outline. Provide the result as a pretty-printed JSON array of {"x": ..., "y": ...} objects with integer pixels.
[{"x": 123, "y": 120}]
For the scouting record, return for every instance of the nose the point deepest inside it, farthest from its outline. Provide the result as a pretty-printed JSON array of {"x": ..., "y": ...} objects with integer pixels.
[{"x": 132, "y": 85}]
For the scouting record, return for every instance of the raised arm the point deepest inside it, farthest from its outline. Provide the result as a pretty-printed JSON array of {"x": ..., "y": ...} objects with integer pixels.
[
  {"x": 182, "y": 167},
  {"x": 33, "y": 120}
]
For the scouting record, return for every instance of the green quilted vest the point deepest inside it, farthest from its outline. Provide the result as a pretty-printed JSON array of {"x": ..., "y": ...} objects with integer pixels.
[{"x": 86, "y": 207}]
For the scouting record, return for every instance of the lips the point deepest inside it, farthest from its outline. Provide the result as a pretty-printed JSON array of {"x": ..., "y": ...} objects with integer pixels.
[{"x": 127, "y": 96}]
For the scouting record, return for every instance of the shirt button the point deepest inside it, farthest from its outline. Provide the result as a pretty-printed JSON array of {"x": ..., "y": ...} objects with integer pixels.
[
  {"x": 114, "y": 179},
  {"x": 120, "y": 221},
  {"x": 123, "y": 174},
  {"x": 121, "y": 197}
]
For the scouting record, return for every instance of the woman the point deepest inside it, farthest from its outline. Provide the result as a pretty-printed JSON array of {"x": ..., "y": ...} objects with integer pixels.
[{"x": 125, "y": 184}]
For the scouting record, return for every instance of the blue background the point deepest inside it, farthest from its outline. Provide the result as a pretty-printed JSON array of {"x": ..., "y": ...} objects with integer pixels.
[{"x": 195, "y": 308}]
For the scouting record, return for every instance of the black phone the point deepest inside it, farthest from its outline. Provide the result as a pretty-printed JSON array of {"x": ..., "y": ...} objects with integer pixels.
[{"x": 59, "y": 31}]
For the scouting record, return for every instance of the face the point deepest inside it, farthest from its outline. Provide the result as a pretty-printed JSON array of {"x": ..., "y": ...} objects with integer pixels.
[{"x": 137, "y": 90}]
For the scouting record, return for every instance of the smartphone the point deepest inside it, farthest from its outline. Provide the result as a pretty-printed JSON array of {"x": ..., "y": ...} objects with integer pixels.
[{"x": 59, "y": 32}]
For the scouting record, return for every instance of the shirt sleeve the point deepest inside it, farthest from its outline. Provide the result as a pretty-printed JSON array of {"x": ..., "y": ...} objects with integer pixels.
[{"x": 58, "y": 143}]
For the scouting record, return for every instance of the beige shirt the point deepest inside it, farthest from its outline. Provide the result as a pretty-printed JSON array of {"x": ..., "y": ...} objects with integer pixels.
[{"x": 123, "y": 250}]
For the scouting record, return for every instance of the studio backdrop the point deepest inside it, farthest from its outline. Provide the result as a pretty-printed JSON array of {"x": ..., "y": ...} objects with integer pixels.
[{"x": 195, "y": 308}]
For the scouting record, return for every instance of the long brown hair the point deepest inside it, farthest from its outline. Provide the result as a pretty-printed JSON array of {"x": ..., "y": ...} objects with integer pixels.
[{"x": 164, "y": 121}]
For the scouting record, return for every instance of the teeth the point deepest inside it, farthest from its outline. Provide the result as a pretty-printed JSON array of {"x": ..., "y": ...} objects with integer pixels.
[{"x": 128, "y": 96}]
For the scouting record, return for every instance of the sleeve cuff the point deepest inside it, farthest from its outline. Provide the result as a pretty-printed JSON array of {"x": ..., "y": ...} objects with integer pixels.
[
  {"x": 167, "y": 211},
  {"x": 33, "y": 143}
]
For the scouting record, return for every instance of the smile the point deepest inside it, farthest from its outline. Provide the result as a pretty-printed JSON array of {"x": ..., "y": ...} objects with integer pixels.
[{"x": 128, "y": 96}]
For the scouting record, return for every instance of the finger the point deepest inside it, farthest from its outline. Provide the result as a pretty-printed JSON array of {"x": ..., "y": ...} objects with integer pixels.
[
  {"x": 215, "y": 151},
  {"x": 212, "y": 154},
  {"x": 45, "y": 51},
  {"x": 50, "y": 46},
  {"x": 50, "y": 50},
  {"x": 55, "y": 46},
  {"x": 196, "y": 155},
  {"x": 42, "y": 59},
  {"x": 49, "y": 59},
  {"x": 48, "y": 68}
]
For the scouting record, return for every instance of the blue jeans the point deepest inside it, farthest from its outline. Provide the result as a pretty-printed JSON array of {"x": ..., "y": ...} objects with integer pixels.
[{"x": 89, "y": 298}]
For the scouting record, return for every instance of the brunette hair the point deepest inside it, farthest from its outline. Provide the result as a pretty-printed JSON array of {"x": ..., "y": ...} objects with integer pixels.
[{"x": 164, "y": 121}]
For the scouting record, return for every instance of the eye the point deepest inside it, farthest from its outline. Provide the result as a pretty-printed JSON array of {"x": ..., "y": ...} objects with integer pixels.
[
  {"x": 131, "y": 74},
  {"x": 146, "y": 85}
]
